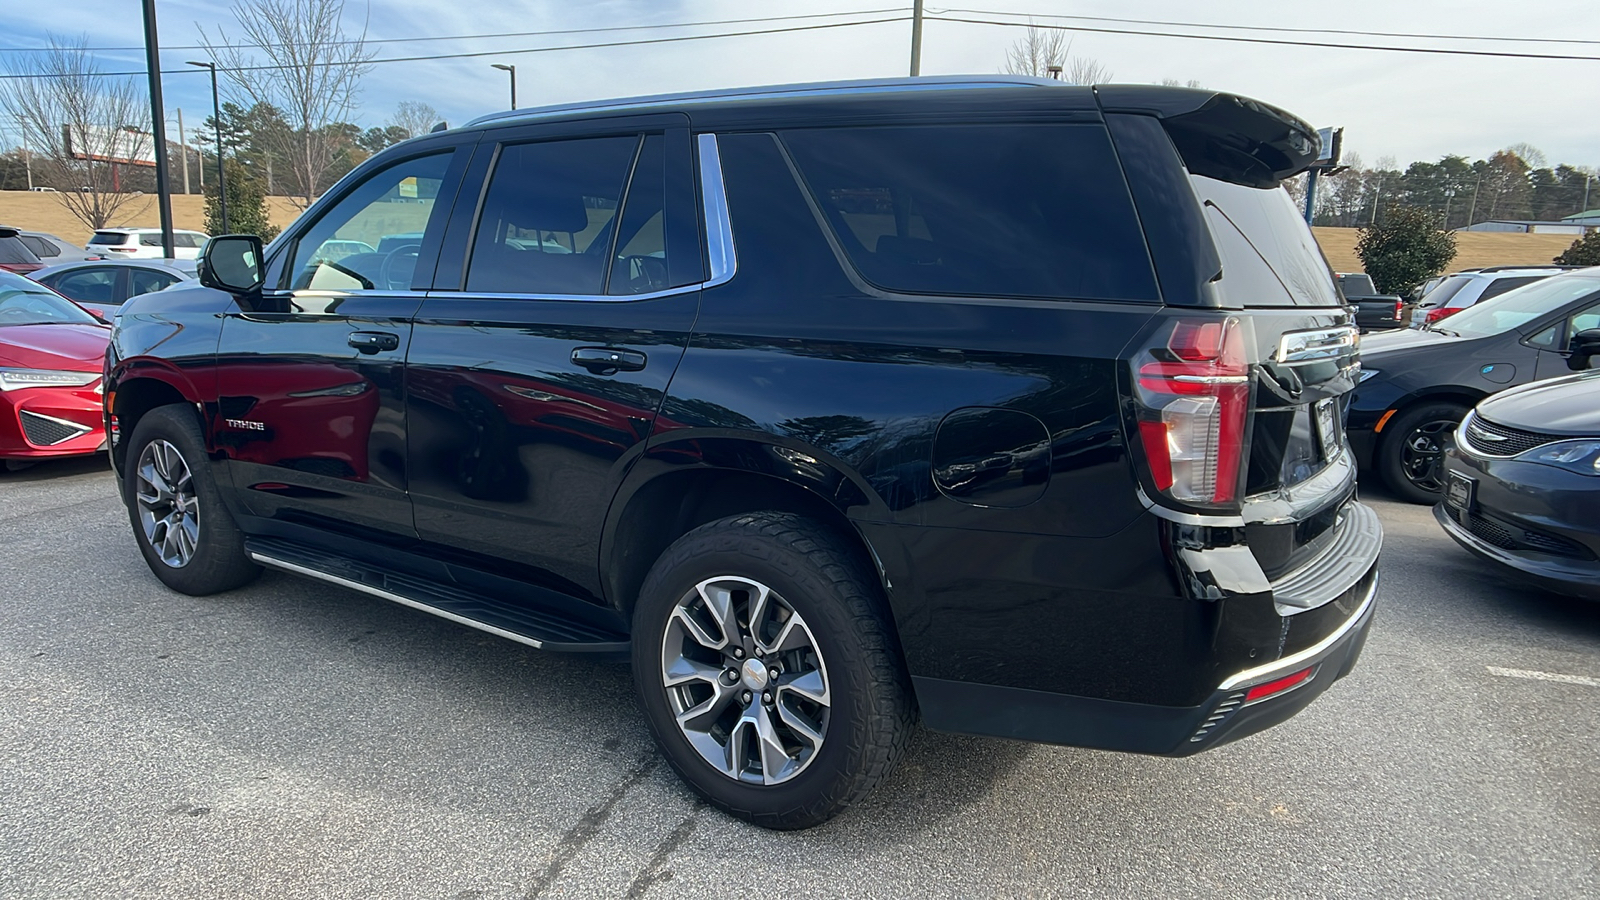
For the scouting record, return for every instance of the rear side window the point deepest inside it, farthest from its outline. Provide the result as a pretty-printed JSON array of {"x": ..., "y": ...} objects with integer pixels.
[
  {"x": 13, "y": 250},
  {"x": 151, "y": 239},
  {"x": 1501, "y": 285},
  {"x": 549, "y": 216},
  {"x": 1269, "y": 257},
  {"x": 109, "y": 238},
  {"x": 1447, "y": 289},
  {"x": 144, "y": 281},
  {"x": 40, "y": 247},
  {"x": 980, "y": 210}
]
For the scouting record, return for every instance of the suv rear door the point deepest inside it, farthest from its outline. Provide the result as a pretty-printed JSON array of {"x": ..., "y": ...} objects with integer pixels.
[{"x": 565, "y": 295}]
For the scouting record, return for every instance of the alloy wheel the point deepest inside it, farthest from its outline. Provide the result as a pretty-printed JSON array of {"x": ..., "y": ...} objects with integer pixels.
[
  {"x": 745, "y": 680},
  {"x": 1422, "y": 454},
  {"x": 169, "y": 509}
]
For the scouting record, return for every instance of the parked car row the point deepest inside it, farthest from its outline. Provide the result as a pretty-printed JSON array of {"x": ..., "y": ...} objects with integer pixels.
[
  {"x": 1417, "y": 385},
  {"x": 52, "y": 357}
]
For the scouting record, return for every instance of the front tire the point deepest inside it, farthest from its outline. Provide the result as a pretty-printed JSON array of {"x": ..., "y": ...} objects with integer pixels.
[
  {"x": 768, "y": 671},
  {"x": 1411, "y": 456},
  {"x": 186, "y": 535}
]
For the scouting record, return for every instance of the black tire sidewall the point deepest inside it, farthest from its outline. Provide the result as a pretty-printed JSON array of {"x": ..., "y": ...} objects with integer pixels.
[
  {"x": 829, "y": 776},
  {"x": 1393, "y": 446},
  {"x": 219, "y": 562}
]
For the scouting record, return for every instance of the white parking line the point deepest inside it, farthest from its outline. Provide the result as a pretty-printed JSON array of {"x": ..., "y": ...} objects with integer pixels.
[{"x": 1544, "y": 676}]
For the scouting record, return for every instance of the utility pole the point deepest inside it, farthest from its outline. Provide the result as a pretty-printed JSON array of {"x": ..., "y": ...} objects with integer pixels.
[
  {"x": 158, "y": 120},
  {"x": 1472, "y": 212},
  {"x": 916, "y": 38},
  {"x": 1375, "y": 198},
  {"x": 183, "y": 151},
  {"x": 1311, "y": 193}
]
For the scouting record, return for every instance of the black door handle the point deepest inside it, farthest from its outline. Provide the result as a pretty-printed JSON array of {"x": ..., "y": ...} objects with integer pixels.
[
  {"x": 374, "y": 341},
  {"x": 608, "y": 360}
]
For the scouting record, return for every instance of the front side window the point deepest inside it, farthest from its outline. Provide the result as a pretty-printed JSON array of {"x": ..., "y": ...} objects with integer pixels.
[
  {"x": 549, "y": 217},
  {"x": 980, "y": 210},
  {"x": 388, "y": 214},
  {"x": 1585, "y": 320},
  {"x": 144, "y": 281}
]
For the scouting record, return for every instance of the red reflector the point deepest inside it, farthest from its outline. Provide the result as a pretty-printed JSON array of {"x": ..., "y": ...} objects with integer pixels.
[
  {"x": 1287, "y": 682},
  {"x": 1157, "y": 452},
  {"x": 1435, "y": 315}
]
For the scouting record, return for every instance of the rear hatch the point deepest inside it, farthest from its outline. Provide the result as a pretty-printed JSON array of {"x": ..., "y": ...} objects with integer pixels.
[{"x": 1239, "y": 386}]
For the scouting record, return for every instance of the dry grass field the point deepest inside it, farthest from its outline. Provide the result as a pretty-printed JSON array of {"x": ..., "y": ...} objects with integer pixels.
[{"x": 43, "y": 212}]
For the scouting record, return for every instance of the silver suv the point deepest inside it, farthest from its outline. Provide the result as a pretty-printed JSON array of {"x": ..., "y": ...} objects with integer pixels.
[{"x": 1461, "y": 290}]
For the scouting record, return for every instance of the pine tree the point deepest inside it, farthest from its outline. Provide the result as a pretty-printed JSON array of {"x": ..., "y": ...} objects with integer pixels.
[{"x": 247, "y": 205}]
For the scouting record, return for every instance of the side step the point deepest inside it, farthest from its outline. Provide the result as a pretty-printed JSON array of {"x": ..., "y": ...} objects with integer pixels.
[{"x": 515, "y": 622}]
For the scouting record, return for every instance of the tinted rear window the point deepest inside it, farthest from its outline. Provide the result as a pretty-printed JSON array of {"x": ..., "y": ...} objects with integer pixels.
[
  {"x": 990, "y": 210},
  {"x": 113, "y": 238},
  {"x": 1269, "y": 257},
  {"x": 1501, "y": 285},
  {"x": 13, "y": 250},
  {"x": 1447, "y": 288}
]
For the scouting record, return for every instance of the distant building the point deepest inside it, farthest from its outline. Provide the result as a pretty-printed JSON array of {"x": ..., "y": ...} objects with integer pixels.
[
  {"x": 1531, "y": 226},
  {"x": 1590, "y": 217}
]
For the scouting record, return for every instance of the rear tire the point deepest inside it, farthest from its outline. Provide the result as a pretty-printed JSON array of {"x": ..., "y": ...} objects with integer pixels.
[
  {"x": 1411, "y": 455},
  {"x": 185, "y": 533},
  {"x": 818, "y": 708}
]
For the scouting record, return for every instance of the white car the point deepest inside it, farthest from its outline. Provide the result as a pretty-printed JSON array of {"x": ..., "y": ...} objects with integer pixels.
[
  {"x": 144, "y": 243},
  {"x": 1461, "y": 290}
]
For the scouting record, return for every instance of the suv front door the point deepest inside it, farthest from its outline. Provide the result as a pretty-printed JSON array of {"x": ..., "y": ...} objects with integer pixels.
[
  {"x": 311, "y": 402},
  {"x": 540, "y": 360}
]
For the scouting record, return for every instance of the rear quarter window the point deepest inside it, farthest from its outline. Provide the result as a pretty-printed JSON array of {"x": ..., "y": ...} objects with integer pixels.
[
  {"x": 13, "y": 250},
  {"x": 1027, "y": 210},
  {"x": 1269, "y": 257},
  {"x": 1501, "y": 285}
]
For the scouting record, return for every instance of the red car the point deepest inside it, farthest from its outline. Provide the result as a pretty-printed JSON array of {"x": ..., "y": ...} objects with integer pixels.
[{"x": 52, "y": 356}]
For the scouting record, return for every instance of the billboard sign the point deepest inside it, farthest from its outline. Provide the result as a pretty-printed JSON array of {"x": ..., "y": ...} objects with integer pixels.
[{"x": 128, "y": 146}]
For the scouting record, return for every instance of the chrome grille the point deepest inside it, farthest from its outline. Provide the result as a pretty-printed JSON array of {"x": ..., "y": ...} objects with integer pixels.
[
  {"x": 47, "y": 431},
  {"x": 1488, "y": 439}
]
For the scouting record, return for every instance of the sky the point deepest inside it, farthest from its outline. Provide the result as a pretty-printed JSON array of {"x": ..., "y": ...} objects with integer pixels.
[{"x": 1400, "y": 105}]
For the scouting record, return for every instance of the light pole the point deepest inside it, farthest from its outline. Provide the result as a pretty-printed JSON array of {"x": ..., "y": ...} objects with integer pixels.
[
  {"x": 183, "y": 150},
  {"x": 158, "y": 119},
  {"x": 513, "y": 70},
  {"x": 916, "y": 38},
  {"x": 216, "y": 122}
]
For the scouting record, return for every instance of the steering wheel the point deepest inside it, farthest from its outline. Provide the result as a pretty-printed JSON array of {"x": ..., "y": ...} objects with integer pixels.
[{"x": 400, "y": 266}]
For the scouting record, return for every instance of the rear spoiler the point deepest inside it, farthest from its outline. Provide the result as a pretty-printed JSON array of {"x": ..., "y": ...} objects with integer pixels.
[
  {"x": 1222, "y": 136},
  {"x": 6, "y": 232}
]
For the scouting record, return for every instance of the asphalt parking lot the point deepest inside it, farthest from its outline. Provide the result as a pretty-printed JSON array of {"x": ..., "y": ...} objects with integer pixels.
[{"x": 293, "y": 739}]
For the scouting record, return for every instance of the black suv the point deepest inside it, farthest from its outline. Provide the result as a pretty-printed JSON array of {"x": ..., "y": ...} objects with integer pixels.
[{"x": 1003, "y": 402}]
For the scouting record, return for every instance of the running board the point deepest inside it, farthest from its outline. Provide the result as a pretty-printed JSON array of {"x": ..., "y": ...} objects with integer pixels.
[{"x": 512, "y": 621}]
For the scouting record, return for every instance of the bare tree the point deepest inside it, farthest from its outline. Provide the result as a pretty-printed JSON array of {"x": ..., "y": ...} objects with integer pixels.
[
  {"x": 1037, "y": 51},
  {"x": 1173, "y": 82},
  {"x": 1041, "y": 49},
  {"x": 296, "y": 56},
  {"x": 1530, "y": 154},
  {"x": 414, "y": 117},
  {"x": 74, "y": 119}
]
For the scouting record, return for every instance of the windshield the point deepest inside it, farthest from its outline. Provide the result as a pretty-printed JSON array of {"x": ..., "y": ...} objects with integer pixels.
[
  {"x": 24, "y": 302},
  {"x": 1514, "y": 309}
]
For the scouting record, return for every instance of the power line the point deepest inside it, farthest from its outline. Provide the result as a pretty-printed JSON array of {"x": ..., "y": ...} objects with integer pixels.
[
  {"x": 481, "y": 53},
  {"x": 1278, "y": 41},
  {"x": 1356, "y": 33},
  {"x": 472, "y": 37}
]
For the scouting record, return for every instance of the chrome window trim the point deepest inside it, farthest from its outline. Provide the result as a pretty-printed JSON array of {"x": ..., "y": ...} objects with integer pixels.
[
  {"x": 719, "y": 227},
  {"x": 438, "y": 294}
]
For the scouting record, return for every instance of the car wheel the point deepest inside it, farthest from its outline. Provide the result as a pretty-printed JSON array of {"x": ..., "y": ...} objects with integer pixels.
[
  {"x": 768, "y": 670},
  {"x": 187, "y": 537},
  {"x": 1412, "y": 455}
]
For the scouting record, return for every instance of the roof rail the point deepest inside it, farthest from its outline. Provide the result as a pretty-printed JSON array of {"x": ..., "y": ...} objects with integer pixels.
[{"x": 772, "y": 92}]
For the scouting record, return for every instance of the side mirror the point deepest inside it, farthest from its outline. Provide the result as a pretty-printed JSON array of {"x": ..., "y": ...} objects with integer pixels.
[
  {"x": 232, "y": 263},
  {"x": 1583, "y": 345}
]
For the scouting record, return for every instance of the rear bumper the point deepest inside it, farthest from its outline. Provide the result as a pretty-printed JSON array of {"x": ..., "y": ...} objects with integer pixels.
[{"x": 1225, "y": 716}]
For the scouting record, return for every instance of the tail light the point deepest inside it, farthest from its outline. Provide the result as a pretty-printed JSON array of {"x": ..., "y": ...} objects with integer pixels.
[
  {"x": 1435, "y": 315},
  {"x": 1194, "y": 396},
  {"x": 1399, "y": 309}
]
